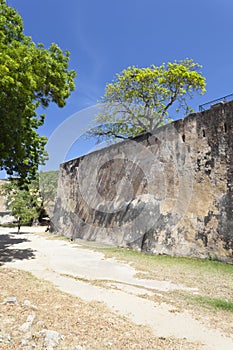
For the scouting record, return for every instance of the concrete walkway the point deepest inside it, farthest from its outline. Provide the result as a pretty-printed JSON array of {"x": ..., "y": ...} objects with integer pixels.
[{"x": 73, "y": 269}]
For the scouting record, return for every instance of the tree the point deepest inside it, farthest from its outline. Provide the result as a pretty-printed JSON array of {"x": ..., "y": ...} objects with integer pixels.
[
  {"x": 25, "y": 203},
  {"x": 48, "y": 183},
  {"x": 139, "y": 99},
  {"x": 30, "y": 77}
]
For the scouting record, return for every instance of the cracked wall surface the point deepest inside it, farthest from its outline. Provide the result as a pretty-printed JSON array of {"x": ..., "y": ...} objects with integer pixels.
[{"x": 166, "y": 193}]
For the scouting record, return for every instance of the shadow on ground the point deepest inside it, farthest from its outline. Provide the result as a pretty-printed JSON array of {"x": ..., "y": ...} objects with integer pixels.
[{"x": 10, "y": 253}]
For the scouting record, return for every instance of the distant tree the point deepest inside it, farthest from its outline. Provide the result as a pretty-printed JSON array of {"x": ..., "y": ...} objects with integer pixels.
[
  {"x": 48, "y": 182},
  {"x": 24, "y": 203},
  {"x": 139, "y": 99},
  {"x": 30, "y": 77}
]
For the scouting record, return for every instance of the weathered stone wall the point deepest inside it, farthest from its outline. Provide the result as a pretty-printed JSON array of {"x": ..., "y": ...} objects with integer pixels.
[{"x": 166, "y": 193}]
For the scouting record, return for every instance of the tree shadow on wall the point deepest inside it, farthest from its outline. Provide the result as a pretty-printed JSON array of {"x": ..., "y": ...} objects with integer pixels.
[{"x": 8, "y": 253}]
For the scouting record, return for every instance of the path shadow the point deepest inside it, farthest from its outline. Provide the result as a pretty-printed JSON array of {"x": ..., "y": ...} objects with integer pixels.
[
  {"x": 8, "y": 253},
  {"x": 21, "y": 233}
]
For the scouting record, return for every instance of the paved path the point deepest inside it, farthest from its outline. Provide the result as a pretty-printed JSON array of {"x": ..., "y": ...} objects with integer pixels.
[{"x": 72, "y": 268}]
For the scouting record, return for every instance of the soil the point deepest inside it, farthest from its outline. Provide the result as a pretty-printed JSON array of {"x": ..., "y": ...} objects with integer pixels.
[{"x": 93, "y": 301}]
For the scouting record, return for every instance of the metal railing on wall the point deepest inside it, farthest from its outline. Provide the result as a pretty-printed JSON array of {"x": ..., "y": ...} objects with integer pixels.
[{"x": 207, "y": 105}]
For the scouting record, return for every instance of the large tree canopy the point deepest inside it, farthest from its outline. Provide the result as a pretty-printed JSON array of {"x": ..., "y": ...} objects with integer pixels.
[
  {"x": 139, "y": 99},
  {"x": 30, "y": 77}
]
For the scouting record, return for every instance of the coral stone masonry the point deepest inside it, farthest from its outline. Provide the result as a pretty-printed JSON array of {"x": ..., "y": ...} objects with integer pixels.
[{"x": 167, "y": 193}]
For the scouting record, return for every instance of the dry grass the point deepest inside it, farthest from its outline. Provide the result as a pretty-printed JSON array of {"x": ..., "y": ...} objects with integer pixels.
[{"x": 90, "y": 325}]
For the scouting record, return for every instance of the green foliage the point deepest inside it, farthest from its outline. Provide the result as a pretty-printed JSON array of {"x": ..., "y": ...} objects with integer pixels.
[
  {"x": 48, "y": 182},
  {"x": 139, "y": 99},
  {"x": 24, "y": 203},
  {"x": 30, "y": 77},
  {"x": 33, "y": 200},
  {"x": 213, "y": 303}
]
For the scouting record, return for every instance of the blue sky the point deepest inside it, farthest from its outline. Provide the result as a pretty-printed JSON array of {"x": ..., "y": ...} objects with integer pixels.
[{"x": 105, "y": 37}]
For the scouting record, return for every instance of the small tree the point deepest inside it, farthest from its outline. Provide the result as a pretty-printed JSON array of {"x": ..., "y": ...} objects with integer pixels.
[
  {"x": 24, "y": 203},
  {"x": 139, "y": 99}
]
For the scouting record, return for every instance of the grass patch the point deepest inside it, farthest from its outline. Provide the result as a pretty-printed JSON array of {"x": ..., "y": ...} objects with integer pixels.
[
  {"x": 212, "y": 278},
  {"x": 144, "y": 260},
  {"x": 50, "y": 236},
  {"x": 217, "y": 304}
]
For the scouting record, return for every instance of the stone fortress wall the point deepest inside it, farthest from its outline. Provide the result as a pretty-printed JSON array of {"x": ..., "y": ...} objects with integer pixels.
[{"x": 167, "y": 193}]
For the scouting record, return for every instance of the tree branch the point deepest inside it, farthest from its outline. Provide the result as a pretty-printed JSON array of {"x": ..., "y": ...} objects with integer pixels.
[{"x": 111, "y": 133}]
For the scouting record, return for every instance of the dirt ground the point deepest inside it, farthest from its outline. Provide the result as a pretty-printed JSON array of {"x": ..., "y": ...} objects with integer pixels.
[
  {"x": 87, "y": 324},
  {"x": 94, "y": 302}
]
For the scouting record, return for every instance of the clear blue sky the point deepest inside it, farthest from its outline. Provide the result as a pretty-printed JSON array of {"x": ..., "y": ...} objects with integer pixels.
[{"x": 106, "y": 36}]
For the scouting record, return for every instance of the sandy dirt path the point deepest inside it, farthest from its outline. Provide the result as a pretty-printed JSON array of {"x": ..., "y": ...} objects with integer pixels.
[{"x": 77, "y": 271}]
